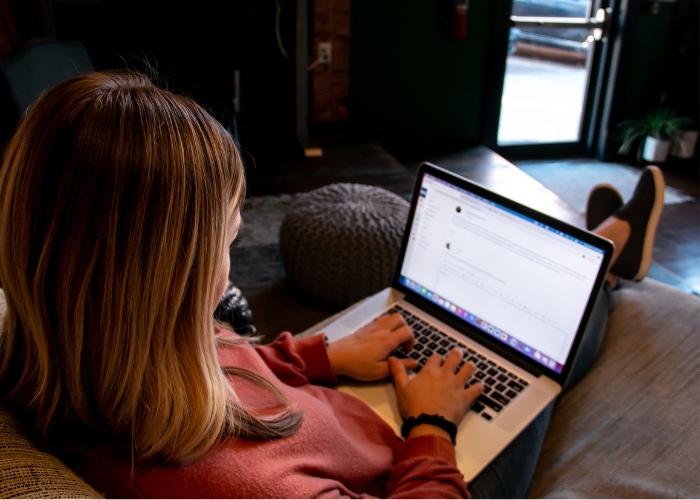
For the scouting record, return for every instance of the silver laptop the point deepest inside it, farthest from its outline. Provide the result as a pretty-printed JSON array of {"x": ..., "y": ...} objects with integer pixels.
[{"x": 512, "y": 286}]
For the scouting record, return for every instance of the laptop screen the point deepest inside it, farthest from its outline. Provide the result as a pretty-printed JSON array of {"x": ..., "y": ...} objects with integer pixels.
[{"x": 519, "y": 280}]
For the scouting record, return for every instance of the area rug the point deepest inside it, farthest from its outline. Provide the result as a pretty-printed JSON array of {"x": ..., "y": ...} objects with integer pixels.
[
  {"x": 257, "y": 269},
  {"x": 262, "y": 218},
  {"x": 363, "y": 162},
  {"x": 573, "y": 182}
]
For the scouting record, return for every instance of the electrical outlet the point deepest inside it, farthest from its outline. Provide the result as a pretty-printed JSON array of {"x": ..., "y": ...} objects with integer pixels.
[{"x": 324, "y": 52}]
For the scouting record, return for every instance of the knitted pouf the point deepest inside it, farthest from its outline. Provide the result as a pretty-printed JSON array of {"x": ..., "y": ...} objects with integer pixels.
[{"x": 339, "y": 243}]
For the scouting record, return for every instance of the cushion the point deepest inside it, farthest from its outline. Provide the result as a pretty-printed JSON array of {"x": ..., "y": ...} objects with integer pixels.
[
  {"x": 339, "y": 243},
  {"x": 631, "y": 427},
  {"x": 26, "y": 471}
]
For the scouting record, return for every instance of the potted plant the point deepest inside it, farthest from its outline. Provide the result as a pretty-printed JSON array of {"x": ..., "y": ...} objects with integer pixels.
[
  {"x": 653, "y": 133},
  {"x": 683, "y": 146}
]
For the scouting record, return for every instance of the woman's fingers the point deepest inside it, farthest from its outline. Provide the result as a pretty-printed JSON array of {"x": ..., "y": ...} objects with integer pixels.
[
  {"x": 401, "y": 332},
  {"x": 474, "y": 391},
  {"x": 392, "y": 321},
  {"x": 453, "y": 359},
  {"x": 466, "y": 371},
  {"x": 398, "y": 372}
]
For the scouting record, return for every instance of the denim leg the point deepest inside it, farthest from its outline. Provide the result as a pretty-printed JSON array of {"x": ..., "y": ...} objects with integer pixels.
[
  {"x": 592, "y": 337},
  {"x": 510, "y": 473}
]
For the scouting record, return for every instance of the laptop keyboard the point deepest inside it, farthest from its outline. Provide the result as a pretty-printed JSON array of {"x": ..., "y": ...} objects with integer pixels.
[{"x": 500, "y": 385}]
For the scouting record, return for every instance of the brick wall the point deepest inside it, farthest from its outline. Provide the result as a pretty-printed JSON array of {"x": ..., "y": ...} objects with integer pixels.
[{"x": 329, "y": 82}]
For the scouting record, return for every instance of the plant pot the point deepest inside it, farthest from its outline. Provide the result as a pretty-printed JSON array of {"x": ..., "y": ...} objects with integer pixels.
[
  {"x": 656, "y": 150},
  {"x": 683, "y": 146}
]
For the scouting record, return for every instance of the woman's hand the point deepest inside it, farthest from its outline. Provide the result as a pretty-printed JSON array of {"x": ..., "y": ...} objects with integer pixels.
[
  {"x": 363, "y": 354},
  {"x": 437, "y": 389}
]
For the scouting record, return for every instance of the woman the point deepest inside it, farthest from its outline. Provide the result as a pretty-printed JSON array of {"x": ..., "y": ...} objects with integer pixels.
[{"x": 120, "y": 202}]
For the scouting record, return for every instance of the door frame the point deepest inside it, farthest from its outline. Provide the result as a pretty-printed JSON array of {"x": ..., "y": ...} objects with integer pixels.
[{"x": 602, "y": 71}]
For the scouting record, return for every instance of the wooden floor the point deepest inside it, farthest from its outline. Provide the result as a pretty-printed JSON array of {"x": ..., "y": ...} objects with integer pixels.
[{"x": 677, "y": 246}]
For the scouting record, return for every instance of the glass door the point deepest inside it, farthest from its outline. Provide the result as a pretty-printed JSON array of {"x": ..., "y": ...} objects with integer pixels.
[{"x": 548, "y": 93}]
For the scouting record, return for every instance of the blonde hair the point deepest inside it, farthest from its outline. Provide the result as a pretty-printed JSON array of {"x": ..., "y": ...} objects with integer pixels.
[{"x": 116, "y": 199}]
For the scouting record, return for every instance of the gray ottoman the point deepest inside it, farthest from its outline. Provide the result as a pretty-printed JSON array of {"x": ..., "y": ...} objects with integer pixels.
[{"x": 339, "y": 243}]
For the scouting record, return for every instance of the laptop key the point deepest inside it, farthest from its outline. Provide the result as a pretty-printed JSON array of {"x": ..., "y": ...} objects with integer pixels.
[
  {"x": 487, "y": 401},
  {"x": 515, "y": 386},
  {"x": 477, "y": 406},
  {"x": 399, "y": 353},
  {"x": 499, "y": 398}
]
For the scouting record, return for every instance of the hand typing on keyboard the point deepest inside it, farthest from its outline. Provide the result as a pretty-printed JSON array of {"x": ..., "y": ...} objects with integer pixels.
[
  {"x": 439, "y": 387},
  {"x": 499, "y": 385},
  {"x": 363, "y": 355}
]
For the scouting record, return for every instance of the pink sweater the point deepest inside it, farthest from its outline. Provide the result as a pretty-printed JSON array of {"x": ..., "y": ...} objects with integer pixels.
[{"x": 343, "y": 449}]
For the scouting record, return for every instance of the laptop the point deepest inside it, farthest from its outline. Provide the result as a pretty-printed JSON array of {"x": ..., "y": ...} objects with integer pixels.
[{"x": 513, "y": 287}]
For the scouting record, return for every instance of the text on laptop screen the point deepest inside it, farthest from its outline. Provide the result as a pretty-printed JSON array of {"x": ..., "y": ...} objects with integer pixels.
[{"x": 516, "y": 279}]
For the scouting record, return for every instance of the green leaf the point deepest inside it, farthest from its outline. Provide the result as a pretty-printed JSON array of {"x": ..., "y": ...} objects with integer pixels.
[{"x": 660, "y": 123}]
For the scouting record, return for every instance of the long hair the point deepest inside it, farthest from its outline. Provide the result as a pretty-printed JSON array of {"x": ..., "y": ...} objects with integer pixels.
[{"x": 116, "y": 199}]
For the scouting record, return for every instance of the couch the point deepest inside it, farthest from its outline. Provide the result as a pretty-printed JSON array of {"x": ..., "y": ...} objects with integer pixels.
[{"x": 630, "y": 429}]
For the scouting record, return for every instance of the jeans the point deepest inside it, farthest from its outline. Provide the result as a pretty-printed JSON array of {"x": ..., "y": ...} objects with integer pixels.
[{"x": 510, "y": 473}]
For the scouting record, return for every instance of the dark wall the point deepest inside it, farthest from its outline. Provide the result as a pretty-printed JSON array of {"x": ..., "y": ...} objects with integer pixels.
[
  {"x": 658, "y": 65},
  {"x": 195, "y": 49},
  {"x": 410, "y": 84},
  {"x": 413, "y": 87},
  {"x": 660, "y": 56},
  {"x": 684, "y": 59}
]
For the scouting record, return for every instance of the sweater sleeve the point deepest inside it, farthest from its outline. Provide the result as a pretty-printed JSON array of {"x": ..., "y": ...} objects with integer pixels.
[
  {"x": 425, "y": 467},
  {"x": 298, "y": 361}
]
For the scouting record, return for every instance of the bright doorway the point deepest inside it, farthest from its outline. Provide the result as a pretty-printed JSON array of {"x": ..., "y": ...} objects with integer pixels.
[{"x": 548, "y": 96}]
